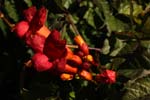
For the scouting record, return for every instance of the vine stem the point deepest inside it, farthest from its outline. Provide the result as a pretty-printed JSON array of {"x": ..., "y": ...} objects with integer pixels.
[
  {"x": 70, "y": 20},
  {"x": 6, "y": 20},
  {"x": 76, "y": 47}
]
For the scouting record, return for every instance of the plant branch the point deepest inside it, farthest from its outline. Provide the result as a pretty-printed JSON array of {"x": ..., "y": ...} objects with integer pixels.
[
  {"x": 70, "y": 20},
  {"x": 131, "y": 14},
  {"x": 76, "y": 47},
  {"x": 6, "y": 20}
]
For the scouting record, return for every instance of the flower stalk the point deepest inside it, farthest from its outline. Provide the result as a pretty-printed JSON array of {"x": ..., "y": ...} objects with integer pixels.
[
  {"x": 76, "y": 47},
  {"x": 70, "y": 20},
  {"x": 6, "y": 20}
]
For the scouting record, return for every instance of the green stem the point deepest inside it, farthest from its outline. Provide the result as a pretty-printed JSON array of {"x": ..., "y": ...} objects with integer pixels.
[
  {"x": 6, "y": 20},
  {"x": 76, "y": 47},
  {"x": 70, "y": 20},
  {"x": 131, "y": 14}
]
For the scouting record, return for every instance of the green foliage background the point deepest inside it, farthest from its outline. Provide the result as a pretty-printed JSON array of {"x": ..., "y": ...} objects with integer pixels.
[{"x": 120, "y": 28}]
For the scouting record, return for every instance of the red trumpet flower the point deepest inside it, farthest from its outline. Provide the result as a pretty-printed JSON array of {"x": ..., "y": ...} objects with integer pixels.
[
  {"x": 41, "y": 62},
  {"x": 32, "y": 29},
  {"x": 107, "y": 76},
  {"x": 55, "y": 51},
  {"x": 54, "y": 47},
  {"x": 82, "y": 44}
]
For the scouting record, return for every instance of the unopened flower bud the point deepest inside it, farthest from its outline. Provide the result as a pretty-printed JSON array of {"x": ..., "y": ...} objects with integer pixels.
[
  {"x": 70, "y": 69},
  {"x": 82, "y": 44},
  {"x": 85, "y": 75},
  {"x": 75, "y": 60},
  {"x": 66, "y": 77},
  {"x": 86, "y": 65},
  {"x": 88, "y": 58},
  {"x": 21, "y": 28},
  {"x": 79, "y": 53},
  {"x": 69, "y": 53}
]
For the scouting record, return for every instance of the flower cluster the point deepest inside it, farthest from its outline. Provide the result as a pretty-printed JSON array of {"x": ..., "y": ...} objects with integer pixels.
[{"x": 51, "y": 52}]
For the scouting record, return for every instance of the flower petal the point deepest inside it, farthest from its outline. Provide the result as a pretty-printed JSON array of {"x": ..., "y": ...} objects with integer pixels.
[
  {"x": 38, "y": 20},
  {"x": 29, "y": 13},
  {"x": 21, "y": 28},
  {"x": 41, "y": 62},
  {"x": 36, "y": 42},
  {"x": 107, "y": 76},
  {"x": 54, "y": 47}
]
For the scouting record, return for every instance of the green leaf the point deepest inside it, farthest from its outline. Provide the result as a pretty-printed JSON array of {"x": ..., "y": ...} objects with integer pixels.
[
  {"x": 130, "y": 73},
  {"x": 67, "y": 3},
  {"x": 146, "y": 28},
  {"x": 59, "y": 4},
  {"x": 117, "y": 48},
  {"x": 113, "y": 24},
  {"x": 145, "y": 43},
  {"x": 117, "y": 62},
  {"x": 11, "y": 10},
  {"x": 3, "y": 28},
  {"x": 106, "y": 47},
  {"x": 125, "y": 8},
  {"x": 89, "y": 17},
  {"x": 72, "y": 94},
  {"x": 65, "y": 35},
  {"x": 137, "y": 90},
  {"x": 128, "y": 48},
  {"x": 147, "y": 53},
  {"x": 28, "y": 2}
]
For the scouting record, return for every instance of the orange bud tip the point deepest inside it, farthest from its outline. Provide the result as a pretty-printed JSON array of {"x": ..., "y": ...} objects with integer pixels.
[
  {"x": 75, "y": 60},
  {"x": 66, "y": 77},
  {"x": 85, "y": 75},
  {"x": 88, "y": 58},
  {"x": 82, "y": 44},
  {"x": 70, "y": 69},
  {"x": 69, "y": 53},
  {"x": 78, "y": 40}
]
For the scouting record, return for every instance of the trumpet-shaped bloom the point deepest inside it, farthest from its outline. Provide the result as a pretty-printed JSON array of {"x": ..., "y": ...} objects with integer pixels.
[
  {"x": 54, "y": 53},
  {"x": 107, "y": 76},
  {"x": 36, "y": 41},
  {"x": 54, "y": 47},
  {"x": 41, "y": 62},
  {"x": 31, "y": 28}
]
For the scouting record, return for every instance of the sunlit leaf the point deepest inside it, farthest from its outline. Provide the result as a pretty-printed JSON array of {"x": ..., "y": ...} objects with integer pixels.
[
  {"x": 113, "y": 24},
  {"x": 67, "y": 3},
  {"x": 125, "y": 8},
  {"x": 138, "y": 89},
  {"x": 11, "y": 10},
  {"x": 89, "y": 17},
  {"x": 72, "y": 94},
  {"x": 28, "y": 2},
  {"x": 106, "y": 47}
]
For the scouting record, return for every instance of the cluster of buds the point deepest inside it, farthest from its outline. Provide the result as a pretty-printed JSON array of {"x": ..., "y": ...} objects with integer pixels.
[{"x": 52, "y": 54}]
